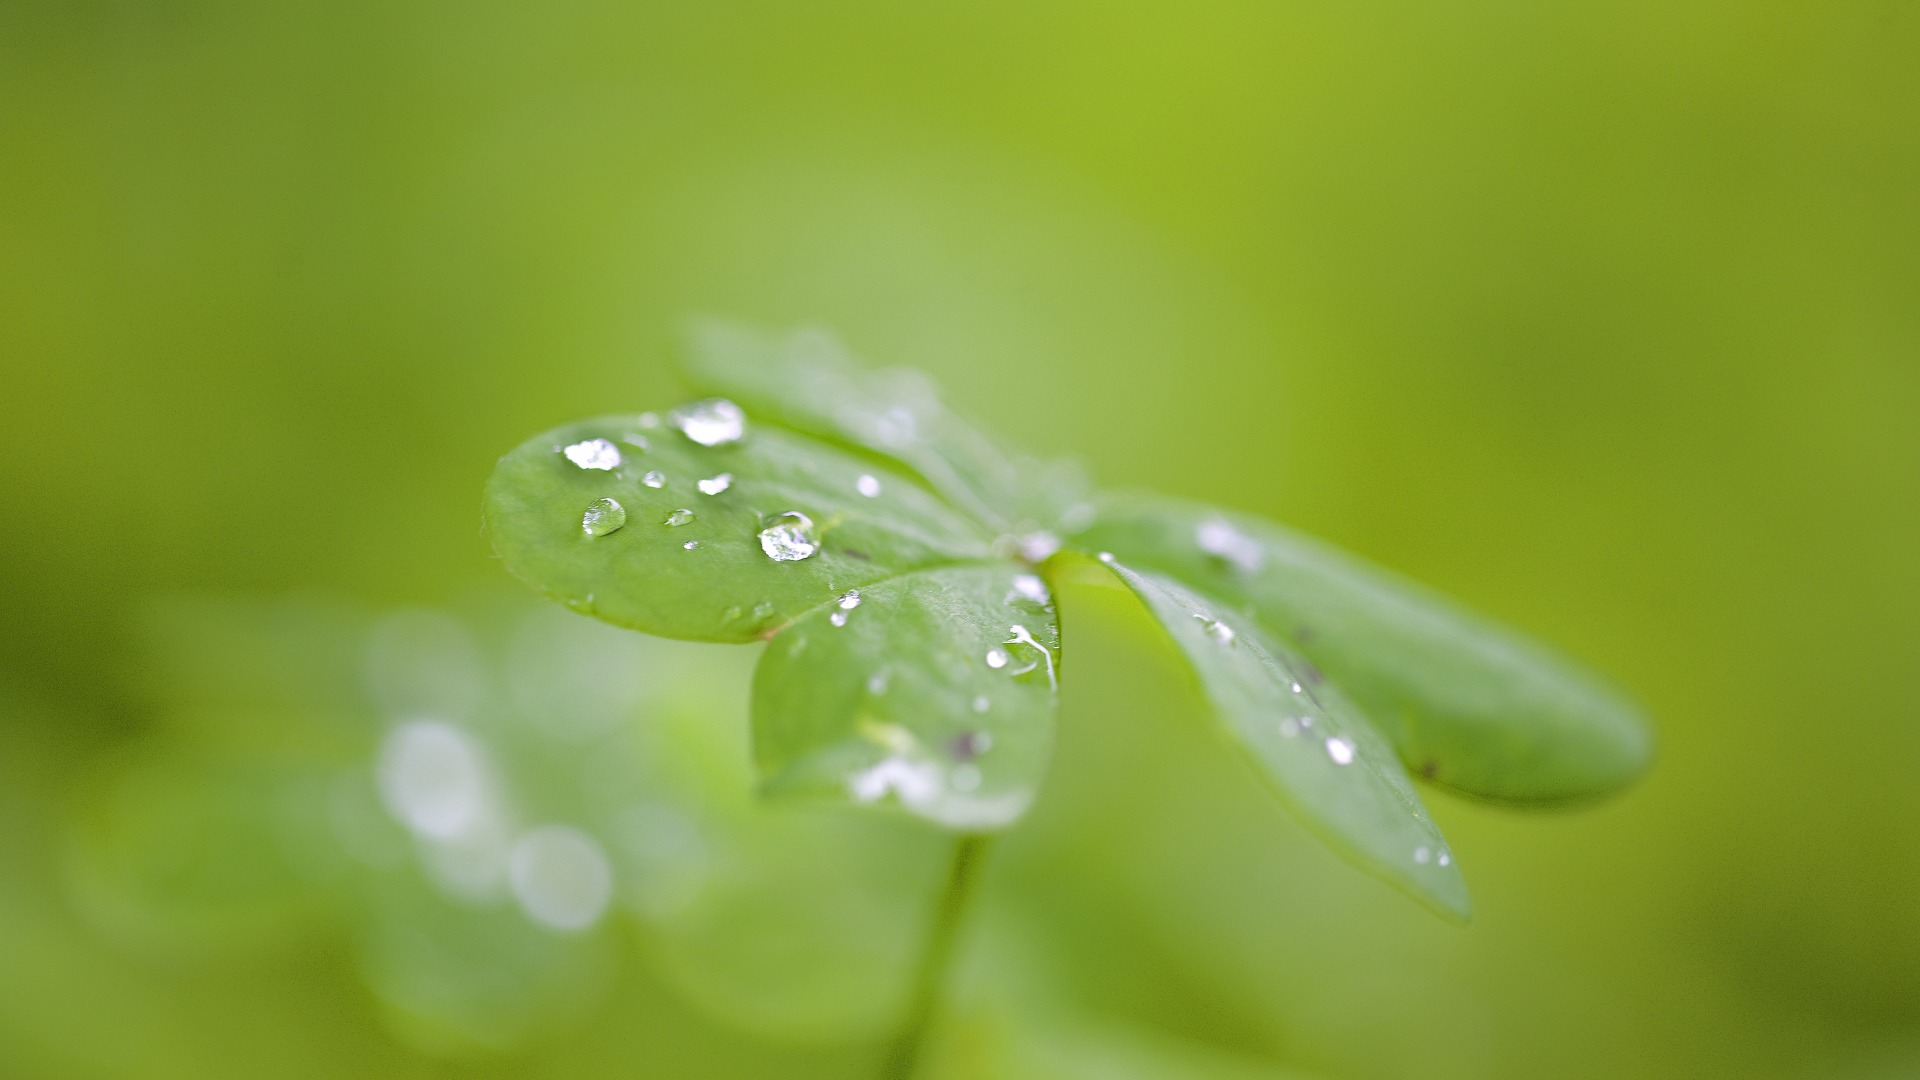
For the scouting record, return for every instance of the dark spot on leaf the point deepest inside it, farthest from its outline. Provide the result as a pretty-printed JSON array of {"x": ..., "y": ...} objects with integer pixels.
[
  {"x": 968, "y": 745},
  {"x": 1303, "y": 634},
  {"x": 1429, "y": 768},
  {"x": 858, "y": 554}
]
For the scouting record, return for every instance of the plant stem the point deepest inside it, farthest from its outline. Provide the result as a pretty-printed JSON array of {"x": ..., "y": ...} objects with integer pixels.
[{"x": 936, "y": 956}]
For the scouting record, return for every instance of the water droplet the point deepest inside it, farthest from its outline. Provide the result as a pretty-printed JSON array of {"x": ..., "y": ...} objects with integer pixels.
[
  {"x": 877, "y": 683},
  {"x": 594, "y": 454},
  {"x": 634, "y": 438},
  {"x": 716, "y": 485},
  {"x": 849, "y": 600},
  {"x": 691, "y": 544},
  {"x": 1289, "y": 727},
  {"x": 914, "y": 782},
  {"x": 1018, "y": 635},
  {"x": 981, "y": 704},
  {"x": 712, "y": 422},
  {"x": 838, "y": 618},
  {"x": 965, "y": 778},
  {"x": 1422, "y": 855},
  {"x": 732, "y": 614},
  {"x": 789, "y": 537},
  {"x": 763, "y": 609},
  {"x": 1445, "y": 859},
  {"x": 1030, "y": 587},
  {"x": 655, "y": 479},
  {"x": 1038, "y": 546},
  {"x": 560, "y": 877},
  {"x": 602, "y": 517},
  {"x": 867, "y": 485},
  {"x": 1220, "y": 632},
  {"x": 1340, "y": 750},
  {"x": 1296, "y": 688},
  {"x": 1107, "y": 557},
  {"x": 996, "y": 658},
  {"x": 1218, "y": 537},
  {"x": 649, "y": 420},
  {"x": 679, "y": 517}
]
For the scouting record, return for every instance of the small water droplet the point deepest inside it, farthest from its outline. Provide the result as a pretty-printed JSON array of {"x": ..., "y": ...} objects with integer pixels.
[
  {"x": 789, "y": 537},
  {"x": 849, "y": 600},
  {"x": 679, "y": 517},
  {"x": 867, "y": 485},
  {"x": 603, "y": 516},
  {"x": 1107, "y": 557},
  {"x": 649, "y": 420},
  {"x": 1445, "y": 859},
  {"x": 763, "y": 609},
  {"x": 1340, "y": 750},
  {"x": 1030, "y": 587},
  {"x": 1296, "y": 688},
  {"x": 996, "y": 658},
  {"x": 1218, "y": 537},
  {"x": 712, "y": 422},
  {"x": 1289, "y": 728},
  {"x": 715, "y": 485},
  {"x": 1422, "y": 855},
  {"x": 691, "y": 544},
  {"x": 634, "y": 438},
  {"x": 655, "y": 479},
  {"x": 981, "y": 704},
  {"x": 732, "y": 614},
  {"x": 1220, "y": 632},
  {"x": 838, "y": 618},
  {"x": 877, "y": 683},
  {"x": 594, "y": 454}
]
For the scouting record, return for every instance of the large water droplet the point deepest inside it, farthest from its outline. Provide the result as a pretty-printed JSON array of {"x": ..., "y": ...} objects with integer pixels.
[
  {"x": 655, "y": 479},
  {"x": 789, "y": 537},
  {"x": 712, "y": 422},
  {"x": 867, "y": 485},
  {"x": 716, "y": 485},
  {"x": 602, "y": 517},
  {"x": 1218, "y": 537},
  {"x": 1340, "y": 750},
  {"x": 594, "y": 454},
  {"x": 679, "y": 517}
]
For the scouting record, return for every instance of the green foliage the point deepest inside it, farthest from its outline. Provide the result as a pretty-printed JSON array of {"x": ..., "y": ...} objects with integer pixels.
[{"x": 897, "y": 560}]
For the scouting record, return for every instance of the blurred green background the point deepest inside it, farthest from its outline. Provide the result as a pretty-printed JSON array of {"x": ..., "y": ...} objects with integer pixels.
[{"x": 1604, "y": 317}]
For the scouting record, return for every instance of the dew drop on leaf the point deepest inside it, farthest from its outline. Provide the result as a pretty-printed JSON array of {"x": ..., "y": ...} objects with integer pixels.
[
  {"x": 679, "y": 517},
  {"x": 1220, "y": 539},
  {"x": 715, "y": 485},
  {"x": 691, "y": 544},
  {"x": 649, "y": 420},
  {"x": 849, "y": 600},
  {"x": 713, "y": 422},
  {"x": 1219, "y": 631},
  {"x": 1422, "y": 855},
  {"x": 838, "y": 618},
  {"x": 996, "y": 658},
  {"x": 594, "y": 454},
  {"x": 981, "y": 704},
  {"x": 789, "y": 537},
  {"x": 867, "y": 485},
  {"x": 763, "y": 609},
  {"x": 1340, "y": 750},
  {"x": 877, "y": 683},
  {"x": 655, "y": 479},
  {"x": 602, "y": 517},
  {"x": 634, "y": 438},
  {"x": 1030, "y": 587}
]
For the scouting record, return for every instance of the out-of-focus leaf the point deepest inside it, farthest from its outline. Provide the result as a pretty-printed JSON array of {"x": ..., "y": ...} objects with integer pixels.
[
  {"x": 722, "y": 542},
  {"x": 1325, "y": 761},
  {"x": 1466, "y": 703},
  {"x": 806, "y": 380},
  {"x": 935, "y": 690}
]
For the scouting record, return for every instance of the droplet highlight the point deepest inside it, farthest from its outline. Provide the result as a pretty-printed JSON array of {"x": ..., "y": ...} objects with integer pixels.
[
  {"x": 594, "y": 454},
  {"x": 714, "y": 422},
  {"x": 1218, "y": 538},
  {"x": 655, "y": 479},
  {"x": 868, "y": 485},
  {"x": 679, "y": 517},
  {"x": 997, "y": 658},
  {"x": 715, "y": 485},
  {"x": 1340, "y": 750}
]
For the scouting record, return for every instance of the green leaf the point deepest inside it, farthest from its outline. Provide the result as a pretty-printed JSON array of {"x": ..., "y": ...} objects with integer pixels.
[
  {"x": 806, "y": 380},
  {"x": 934, "y": 690},
  {"x": 679, "y": 560},
  {"x": 1325, "y": 761},
  {"x": 1466, "y": 703}
]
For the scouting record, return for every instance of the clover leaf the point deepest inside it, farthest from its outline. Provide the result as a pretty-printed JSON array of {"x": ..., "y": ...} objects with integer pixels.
[{"x": 901, "y": 565}]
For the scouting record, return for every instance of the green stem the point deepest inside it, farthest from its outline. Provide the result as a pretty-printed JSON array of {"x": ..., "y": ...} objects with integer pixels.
[{"x": 936, "y": 956}]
